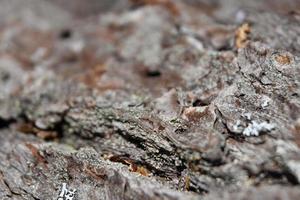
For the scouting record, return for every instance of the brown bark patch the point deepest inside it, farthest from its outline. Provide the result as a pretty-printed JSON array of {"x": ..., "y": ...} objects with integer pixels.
[
  {"x": 36, "y": 154},
  {"x": 242, "y": 35},
  {"x": 195, "y": 113},
  {"x": 168, "y": 4},
  {"x": 283, "y": 59}
]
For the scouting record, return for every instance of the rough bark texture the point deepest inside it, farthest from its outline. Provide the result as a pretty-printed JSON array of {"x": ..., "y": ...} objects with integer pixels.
[{"x": 150, "y": 99}]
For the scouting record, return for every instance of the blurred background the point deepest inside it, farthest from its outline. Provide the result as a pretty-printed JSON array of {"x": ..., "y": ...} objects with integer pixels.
[{"x": 83, "y": 40}]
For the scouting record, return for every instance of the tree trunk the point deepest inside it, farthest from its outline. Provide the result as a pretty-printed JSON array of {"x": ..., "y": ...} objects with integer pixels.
[{"x": 150, "y": 99}]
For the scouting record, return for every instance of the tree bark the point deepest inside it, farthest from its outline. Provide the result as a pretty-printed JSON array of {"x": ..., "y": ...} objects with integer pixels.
[{"x": 150, "y": 99}]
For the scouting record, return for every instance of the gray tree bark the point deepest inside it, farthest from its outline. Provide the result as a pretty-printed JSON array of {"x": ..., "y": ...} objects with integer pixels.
[{"x": 150, "y": 99}]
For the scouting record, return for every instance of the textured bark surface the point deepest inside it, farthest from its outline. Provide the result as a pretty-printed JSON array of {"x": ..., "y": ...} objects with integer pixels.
[{"x": 150, "y": 99}]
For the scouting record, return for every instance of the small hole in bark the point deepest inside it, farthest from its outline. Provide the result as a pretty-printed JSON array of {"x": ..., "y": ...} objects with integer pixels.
[
  {"x": 200, "y": 102},
  {"x": 225, "y": 47},
  {"x": 5, "y": 76},
  {"x": 153, "y": 73},
  {"x": 6, "y": 123},
  {"x": 180, "y": 130},
  {"x": 65, "y": 34}
]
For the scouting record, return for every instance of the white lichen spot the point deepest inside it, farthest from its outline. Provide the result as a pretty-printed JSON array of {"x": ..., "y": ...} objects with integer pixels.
[
  {"x": 240, "y": 16},
  {"x": 265, "y": 102},
  {"x": 294, "y": 166},
  {"x": 254, "y": 128},
  {"x": 65, "y": 193},
  {"x": 39, "y": 54},
  {"x": 195, "y": 43},
  {"x": 77, "y": 46},
  {"x": 237, "y": 127},
  {"x": 247, "y": 116}
]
